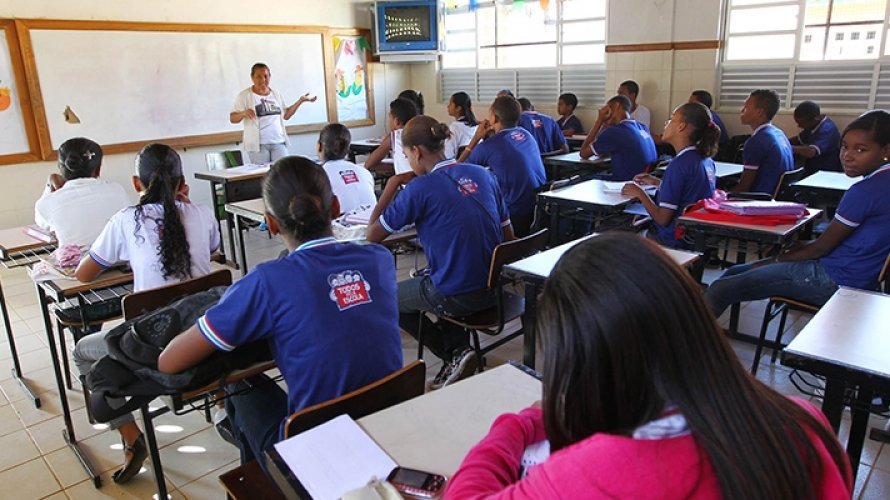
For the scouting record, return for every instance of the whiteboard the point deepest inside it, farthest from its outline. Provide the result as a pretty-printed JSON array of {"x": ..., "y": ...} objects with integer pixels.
[
  {"x": 13, "y": 138},
  {"x": 129, "y": 86}
]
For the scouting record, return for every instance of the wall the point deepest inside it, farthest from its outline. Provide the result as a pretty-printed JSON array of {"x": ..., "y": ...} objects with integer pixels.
[{"x": 21, "y": 185}]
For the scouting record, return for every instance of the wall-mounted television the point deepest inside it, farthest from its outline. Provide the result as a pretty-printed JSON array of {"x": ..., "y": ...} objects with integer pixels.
[{"x": 404, "y": 27}]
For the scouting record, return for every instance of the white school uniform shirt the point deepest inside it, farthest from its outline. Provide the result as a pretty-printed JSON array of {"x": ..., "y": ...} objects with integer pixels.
[
  {"x": 461, "y": 135},
  {"x": 269, "y": 125},
  {"x": 642, "y": 115},
  {"x": 123, "y": 242},
  {"x": 79, "y": 210},
  {"x": 352, "y": 185}
]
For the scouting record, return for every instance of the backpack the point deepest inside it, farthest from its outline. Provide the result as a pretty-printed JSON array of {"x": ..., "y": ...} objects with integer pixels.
[{"x": 130, "y": 368}]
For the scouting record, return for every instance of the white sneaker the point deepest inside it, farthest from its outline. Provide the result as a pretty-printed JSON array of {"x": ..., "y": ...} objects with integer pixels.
[{"x": 461, "y": 366}]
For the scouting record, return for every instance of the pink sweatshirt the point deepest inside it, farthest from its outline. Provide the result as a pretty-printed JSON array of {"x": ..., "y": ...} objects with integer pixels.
[{"x": 602, "y": 465}]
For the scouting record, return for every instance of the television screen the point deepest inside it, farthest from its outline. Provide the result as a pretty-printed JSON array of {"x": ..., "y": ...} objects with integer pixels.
[{"x": 406, "y": 26}]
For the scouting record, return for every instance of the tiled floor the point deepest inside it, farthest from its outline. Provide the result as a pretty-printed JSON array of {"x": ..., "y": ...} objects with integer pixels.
[{"x": 35, "y": 463}]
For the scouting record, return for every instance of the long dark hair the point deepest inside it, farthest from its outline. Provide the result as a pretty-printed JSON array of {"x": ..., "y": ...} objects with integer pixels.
[
  {"x": 622, "y": 346},
  {"x": 160, "y": 171},
  {"x": 705, "y": 132},
  {"x": 415, "y": 97},
  {"x": 79, "y": 157},
  {"x": 876, "y": 121},
  {"x": 334, "y": 139},
  {"x": 462, "y": 101},
  {"x": 297, "y": 192}
]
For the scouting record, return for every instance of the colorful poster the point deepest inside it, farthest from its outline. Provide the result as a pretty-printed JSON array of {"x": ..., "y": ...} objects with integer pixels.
[
  {"x": 351, "y": 78},
  {"x": 13, "y": 138}
]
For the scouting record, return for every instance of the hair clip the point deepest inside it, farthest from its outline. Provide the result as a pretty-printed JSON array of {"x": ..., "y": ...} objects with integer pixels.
[{"x": 89, "y": 155}]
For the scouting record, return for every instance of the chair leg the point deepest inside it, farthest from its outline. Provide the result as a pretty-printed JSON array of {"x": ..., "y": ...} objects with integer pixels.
[
  {"x": 477, "y": 348},
  {"x": 779, "y": 334},
  {"x": 86, "y": 397},
  {"x": 154, "y": 453},
  {"x": 767, "y": 318},
  {"x": 64, "y": 355},
  {"x": 420, "y": 337}
]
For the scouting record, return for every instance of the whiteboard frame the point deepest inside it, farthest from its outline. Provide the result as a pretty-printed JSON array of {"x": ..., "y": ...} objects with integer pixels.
[
  {"x": 332, "y": 85},
  {"x": 26, "y": 49},
  {"x": 35, "y": 151}
]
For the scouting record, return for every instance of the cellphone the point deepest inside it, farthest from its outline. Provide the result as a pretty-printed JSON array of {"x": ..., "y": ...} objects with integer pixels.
[{"x": 417, "y": 483}]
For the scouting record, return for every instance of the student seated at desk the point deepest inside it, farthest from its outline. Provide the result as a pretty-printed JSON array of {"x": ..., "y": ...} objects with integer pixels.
[
  {"x": 328, "y": 310},
  {"x": 638, "y": 112},
  {"x": 690, "y": 176},
  {"x": 849, "y": 253},
  {"x": 545, "y": 130},
  {"x": 415, "y": 97},
  {"x": 704, "y": 97},
  {"x": 76, "y": 203},
  {"x": 400, "y": 111},
  {"x": 464, "y": 125},
  {"x": 767, "y": 154},
  {"x": 165, "y": 239},
  {"x": 352, "y": 185},
  {"x": 818, "y": 141},
  {"x": 627, "y": 142},
  {"x": 643, "y": 397},
  {"x": 568, "y": 122},
  {"x": 460, "y": 217},
  {"x": 513, "y": 157}
]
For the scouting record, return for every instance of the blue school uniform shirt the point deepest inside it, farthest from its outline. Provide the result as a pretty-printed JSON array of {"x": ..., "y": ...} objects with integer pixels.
[
  {"x": 769, "y": 154},
  {"x": 513, "y": 157},
  {"x": 724, "y": 135},
  {"x": 689, "y": 177},
  {"x": 630, "y": 147},
  {"x": 826, "y": 139},
  {"x": 460, "y": 215},
  {"x": 546, "y": 131},
  {"x": 865, "y": 207},
  {"x": 329, "y": 311},
  {"x": 571, "y": 122}
]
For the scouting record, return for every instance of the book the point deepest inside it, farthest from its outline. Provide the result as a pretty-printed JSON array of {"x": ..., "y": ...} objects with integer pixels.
[
  {"x": 38, "y": 233},
  {"x": 753, "y": 207},
  {"x": 616, "y": 187}
]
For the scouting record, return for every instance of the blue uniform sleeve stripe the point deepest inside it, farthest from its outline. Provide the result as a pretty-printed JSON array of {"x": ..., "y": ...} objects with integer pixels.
[
  {"x": 818, "y": 150},
  {"x": 99, "y": 260},
  {"x": 506, "y": 222},
  {"x": 845, "y": 221},
  {"x": 385, "y": 225},
  {"x": 211, "y": 335},
  {"x": 667, "y": 205},
  {"x": 752, "y": 167}
]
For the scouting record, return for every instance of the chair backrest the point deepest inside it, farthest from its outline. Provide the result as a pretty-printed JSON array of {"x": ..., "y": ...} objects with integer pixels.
[
  {"x": 407, "y": 383},
  {"x": 787, "y": 178},
  {"x": 511, "y": 251},
  {"x": 882, "y": 277},
  {"x": 149, "y": 300},
  {"x": 224, "y": 159}
]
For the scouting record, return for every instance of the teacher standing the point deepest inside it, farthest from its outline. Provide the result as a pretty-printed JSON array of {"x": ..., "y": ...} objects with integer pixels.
[{"x": 265, "y": 135}]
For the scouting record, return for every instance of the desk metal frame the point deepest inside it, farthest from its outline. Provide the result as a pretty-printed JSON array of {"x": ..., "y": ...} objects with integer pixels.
[
  {"x": 234, "y": 188},
  {"x": 565, "y": 165}
]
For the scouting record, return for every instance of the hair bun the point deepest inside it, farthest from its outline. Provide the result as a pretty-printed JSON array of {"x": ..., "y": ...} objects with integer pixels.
[{"x": 440, "y": 131}]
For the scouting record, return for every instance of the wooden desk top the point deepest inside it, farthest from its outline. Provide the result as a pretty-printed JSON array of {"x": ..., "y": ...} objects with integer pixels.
[
  {"x": 16, "y": 240},
  {"x": 234, "y": 174},
  {"x": 574, "y": 158},
  {"x": 589, "y": 192},
  {"x": 849, "y": 331},
  {"x": 781, "y": 230},
  {"x": 834, "y": 181},
  {"x": 540, "y": 265},
  {"x": 434, "y": 432},
  {"x": 64, "y": 288}
]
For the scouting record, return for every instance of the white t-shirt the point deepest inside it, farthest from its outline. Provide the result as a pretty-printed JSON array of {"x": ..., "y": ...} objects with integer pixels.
[
  {"x": 79, "y": 210},
  {"x": 643, "y": 115},
  {"x": 461, "y": 135},
  {"x": 268, "y": 112},
  {"x": 401, "y": 165},
  {"x": 122, "y": 242},
  {"x": 252, "y": 140},
  {"x": 352, "y": 185}
]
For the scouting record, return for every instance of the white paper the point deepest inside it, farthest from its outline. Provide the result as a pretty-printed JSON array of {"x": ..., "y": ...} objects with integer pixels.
[
  {"x": 334, "y": 458},
  {"x": 400, "y": 161},
  {"x": 615, "y": 187},
  {"x": 249, "y": 169}
]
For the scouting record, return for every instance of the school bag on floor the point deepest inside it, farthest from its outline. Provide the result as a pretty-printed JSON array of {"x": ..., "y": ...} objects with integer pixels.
[{"x": 130, "y": 368}]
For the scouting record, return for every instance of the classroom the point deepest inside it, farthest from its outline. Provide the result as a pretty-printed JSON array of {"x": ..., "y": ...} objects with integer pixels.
[{"x": 449, "y": 248}]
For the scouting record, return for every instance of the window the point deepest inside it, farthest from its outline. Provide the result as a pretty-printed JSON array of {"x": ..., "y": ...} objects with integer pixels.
[
  {"x": 854, "y": 35},
  {"x": 507, "y": 34},
  {"x": 870, "y": 35},
  {"x": 808, "y": 39}
]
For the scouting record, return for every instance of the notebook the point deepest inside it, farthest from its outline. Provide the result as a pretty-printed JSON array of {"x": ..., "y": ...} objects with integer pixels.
[
  {"x": 750, "y": 207},
  {"x": 400, "y": 161}
]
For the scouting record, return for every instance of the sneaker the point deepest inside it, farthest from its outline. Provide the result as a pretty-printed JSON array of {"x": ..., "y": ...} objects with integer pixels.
[
  {"x": 461, "y": 366},
  {"x": 224, "y": 427}
]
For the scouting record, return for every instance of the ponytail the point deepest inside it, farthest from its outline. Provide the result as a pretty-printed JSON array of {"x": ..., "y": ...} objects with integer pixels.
[
  {"x": 79, "y": 158},
  {"x": 462, "y": 101},
  {"x": 297, "y": 192},
  {"x": 160, "y": 171},
  {"x": 705, "y": 134},
  {"x": 427, "y": 132}
]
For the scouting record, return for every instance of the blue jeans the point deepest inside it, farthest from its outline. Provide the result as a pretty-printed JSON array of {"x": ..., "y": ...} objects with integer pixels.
[
  {"x": 805, "y": 281},
  {"x": 268, "y": 153},
  {"x": 444, "y": 339},
  {"x": 256, "y": 408}
]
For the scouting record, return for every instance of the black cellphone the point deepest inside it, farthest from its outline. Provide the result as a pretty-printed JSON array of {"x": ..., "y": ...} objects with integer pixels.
[{"x": 417, "y": 483}]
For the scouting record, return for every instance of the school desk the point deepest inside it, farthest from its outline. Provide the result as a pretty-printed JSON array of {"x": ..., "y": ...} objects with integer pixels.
[
  {"x": 534, "y": 272},
  {"x": 847, "y": 343},
  {"x": 588, "y": 196},
  {"x": 723, "y": 169},
  {"x": 565, "y": 165},
  {"x": 255, "y": 210},
  {"x": 780, "y": 235},
  {"x": 363, "y": 147},
  {"x": 576, "y": 141},
  {"x": 18, "y": 249},
  {"x": 110, "y": 285},
  {"x": 823, "y": 189},
  {"x": 236, "y": 184},
  {"x": 434, "y": 432}
]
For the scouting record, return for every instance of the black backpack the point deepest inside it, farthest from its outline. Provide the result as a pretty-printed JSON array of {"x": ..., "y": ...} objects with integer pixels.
[{"x": 130, "y": 368}]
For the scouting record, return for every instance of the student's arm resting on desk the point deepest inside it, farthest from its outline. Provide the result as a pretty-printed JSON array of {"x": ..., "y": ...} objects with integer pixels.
[
  {"x": 185, "y": 351},
  {"x": 88, "y": 269},
  {"x": 109, "y": 249},
  {"x": 805, "y": 151},
  {"x": 662, "y": 215},
  {"x": 375, "y": 159},
  {"x": 376, "y": 231}
]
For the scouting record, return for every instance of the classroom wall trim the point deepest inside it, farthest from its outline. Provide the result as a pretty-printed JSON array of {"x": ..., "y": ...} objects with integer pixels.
[
  {"x": 20, "y": 100},
  {"x": 648, "y": 47}
]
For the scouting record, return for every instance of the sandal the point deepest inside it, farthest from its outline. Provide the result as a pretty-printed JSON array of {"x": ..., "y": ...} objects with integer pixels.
[{"x": 138, "y": 454}]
